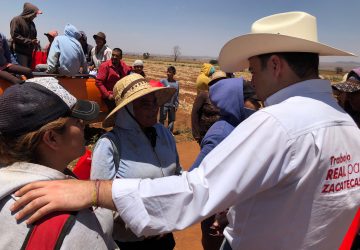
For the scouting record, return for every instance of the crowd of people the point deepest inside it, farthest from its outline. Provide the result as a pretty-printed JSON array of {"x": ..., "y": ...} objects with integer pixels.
[
  {"x": 71, "y": 54},
  {"x": 272, "y": 172}
]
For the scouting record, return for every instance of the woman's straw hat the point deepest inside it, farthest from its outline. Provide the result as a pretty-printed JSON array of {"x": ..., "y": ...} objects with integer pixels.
[
  {"x": 217, "y": 76},
  {"x": 350, "y": 82},
  {"x": 132, "y": 87},
  {"x": 284, "y": 32}
]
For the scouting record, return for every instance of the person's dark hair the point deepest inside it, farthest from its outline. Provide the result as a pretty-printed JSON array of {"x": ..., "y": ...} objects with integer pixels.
[
  {"x": 302, "y": 63},
  {"x": 118, "y": 50},
  {"x": 172, "y": 69}
]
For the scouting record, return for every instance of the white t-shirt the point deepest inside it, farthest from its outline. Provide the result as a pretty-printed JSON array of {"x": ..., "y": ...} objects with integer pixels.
[{"x": 103, "y": 55}]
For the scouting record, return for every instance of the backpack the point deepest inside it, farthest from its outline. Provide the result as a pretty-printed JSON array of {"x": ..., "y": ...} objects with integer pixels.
[{"x": 49, "y": 232}]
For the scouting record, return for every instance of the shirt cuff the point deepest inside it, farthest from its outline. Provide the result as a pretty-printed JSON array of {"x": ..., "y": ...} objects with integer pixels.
[{"x": 126, "y": 197}]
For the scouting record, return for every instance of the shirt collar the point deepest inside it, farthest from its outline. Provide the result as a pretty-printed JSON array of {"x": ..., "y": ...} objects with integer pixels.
[{"x": 306, "y": 88}]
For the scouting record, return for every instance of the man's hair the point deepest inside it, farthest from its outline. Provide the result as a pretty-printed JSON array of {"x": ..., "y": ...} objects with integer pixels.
[
  {"x": 24, "y": 147},
  {"x": 302, "y": 63},
  {"x": 118, "y": 50},
  {"x": 172, "y": 69}
]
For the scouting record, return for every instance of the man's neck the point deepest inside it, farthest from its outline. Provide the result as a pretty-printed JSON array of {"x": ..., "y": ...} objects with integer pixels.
[{"x": 117, "y": 65}]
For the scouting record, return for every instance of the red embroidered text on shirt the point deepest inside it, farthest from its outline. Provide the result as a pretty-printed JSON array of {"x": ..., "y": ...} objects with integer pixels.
[{"x": 342, "y": 174}]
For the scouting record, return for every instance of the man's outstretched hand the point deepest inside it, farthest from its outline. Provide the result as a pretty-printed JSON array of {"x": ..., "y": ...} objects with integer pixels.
[{"x": 41, "y": 198}]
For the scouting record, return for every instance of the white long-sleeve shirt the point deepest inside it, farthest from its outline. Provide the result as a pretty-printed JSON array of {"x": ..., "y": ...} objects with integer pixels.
[{"x": 289, "y": 173}]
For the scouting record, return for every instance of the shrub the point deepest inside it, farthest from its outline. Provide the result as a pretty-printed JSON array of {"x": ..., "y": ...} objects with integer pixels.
[{"x": 146, "y": 55}]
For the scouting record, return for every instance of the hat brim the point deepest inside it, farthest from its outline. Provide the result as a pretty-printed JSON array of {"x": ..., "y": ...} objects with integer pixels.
[
  {"x": 347, "y": 86},
  {"x": 163, "y": 94},
  {"x": 213, "y": 81},
  {"x": 234, "y": 55},
  {"x": 85, "y": 110},
  {"x": 96, "y": 36}
]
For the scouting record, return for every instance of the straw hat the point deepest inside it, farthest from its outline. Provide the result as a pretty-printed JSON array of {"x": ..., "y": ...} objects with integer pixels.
[
  {"x": 350, "y": 83},
  {"x": 284, "y": 32},
  {"x": 132, "y": 87},
  {"x": 217, "y": 76}
]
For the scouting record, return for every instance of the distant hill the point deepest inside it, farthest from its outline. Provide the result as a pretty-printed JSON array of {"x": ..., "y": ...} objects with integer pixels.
[
  {"x": 346, "y": 66},
  {"x": 331, "y": 66}
]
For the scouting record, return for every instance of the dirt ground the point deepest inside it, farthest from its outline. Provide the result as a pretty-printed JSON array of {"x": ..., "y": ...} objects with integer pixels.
[{"x": 190, "y": 238}]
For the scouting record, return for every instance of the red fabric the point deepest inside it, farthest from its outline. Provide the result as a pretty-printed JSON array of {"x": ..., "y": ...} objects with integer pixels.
[
  {"x": 351, "y": 233},
  {"x": 46, "y": 232},
  {"x": 38, "y": 57},
  {"x": 83, "y": 166},
  {"x": 108, "y": 74},
  {"x": 154, "y": 83}
]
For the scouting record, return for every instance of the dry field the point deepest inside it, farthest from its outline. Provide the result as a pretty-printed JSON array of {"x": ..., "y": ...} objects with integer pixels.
[{"x": 187, "y": 72}]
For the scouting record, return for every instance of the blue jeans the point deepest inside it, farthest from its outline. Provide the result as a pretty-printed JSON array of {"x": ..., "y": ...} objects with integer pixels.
[{"x": 168, "y": 112}]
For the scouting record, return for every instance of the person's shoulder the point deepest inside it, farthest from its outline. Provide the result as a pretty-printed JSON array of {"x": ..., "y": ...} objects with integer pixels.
[
  {"x": 202, "y": 78},
  {"x": 216, "y": 134},
  {"x": 124, "y": 64},
  {"x": 106, "y": 63},
  {"x": 220, "y": 129},
  {"x": 16, "y": 18},
  {"x": 104, "y": 140},
  {"x": 174, "y": 82},
  {"x": 164, "y": 81}
]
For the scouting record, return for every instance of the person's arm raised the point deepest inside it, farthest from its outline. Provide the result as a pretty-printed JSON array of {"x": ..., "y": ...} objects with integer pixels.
[{"x": 41, "y": 198}]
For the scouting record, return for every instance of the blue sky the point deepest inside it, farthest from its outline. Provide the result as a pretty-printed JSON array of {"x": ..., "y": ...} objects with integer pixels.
[{"x": 200, "y": 28}]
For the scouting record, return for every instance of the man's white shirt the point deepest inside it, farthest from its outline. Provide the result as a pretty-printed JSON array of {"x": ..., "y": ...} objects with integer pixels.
[{"x": 289, "y": 173}]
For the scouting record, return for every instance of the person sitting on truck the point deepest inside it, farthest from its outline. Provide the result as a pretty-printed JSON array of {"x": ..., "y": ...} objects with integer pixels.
[
  {"x": 66, "y": 56},
  {"x": 8, "y": 65}
]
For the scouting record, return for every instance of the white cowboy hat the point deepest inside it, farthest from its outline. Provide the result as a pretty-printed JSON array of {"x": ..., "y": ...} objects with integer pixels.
[
  {"x": 132, "y": 87},
  {"x": 283, "y": 32}
]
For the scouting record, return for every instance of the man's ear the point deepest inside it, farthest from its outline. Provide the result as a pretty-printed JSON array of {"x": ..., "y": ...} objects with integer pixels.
[
  {"x": 51, "y": 139},
  {"x": 276, "y": 65}
]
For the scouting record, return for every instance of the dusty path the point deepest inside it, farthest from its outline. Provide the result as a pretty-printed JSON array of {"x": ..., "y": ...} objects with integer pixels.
[{"x": 190, "y": 238}]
